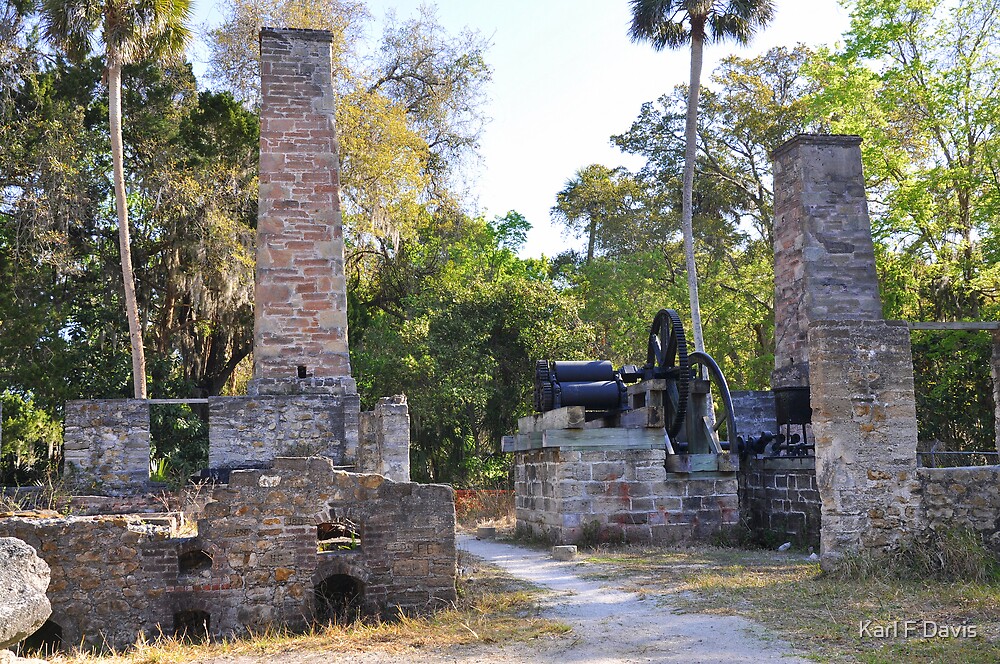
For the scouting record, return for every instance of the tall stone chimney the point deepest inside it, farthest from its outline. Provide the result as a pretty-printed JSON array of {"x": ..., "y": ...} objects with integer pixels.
[
  {"x": 300, "y": 319},
  {"x": 824, "y": 259}
]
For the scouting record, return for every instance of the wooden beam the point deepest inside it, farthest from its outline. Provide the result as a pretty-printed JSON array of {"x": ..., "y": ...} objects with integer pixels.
[
  {"x": 641, "y": 418},
  {"x": 957, "y": 325},
  {"x": 568, "y": 417},
  {"x": 626, "y": 439}
]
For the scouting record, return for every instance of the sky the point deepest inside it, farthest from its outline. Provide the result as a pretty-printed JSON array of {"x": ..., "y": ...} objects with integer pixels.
[{"x": 565, "y": 79}]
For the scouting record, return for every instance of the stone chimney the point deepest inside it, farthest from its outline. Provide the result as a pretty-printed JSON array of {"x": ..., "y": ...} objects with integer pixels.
[
  {"x": 824, "y": 259},
  {"x": 300, "y": 319}
]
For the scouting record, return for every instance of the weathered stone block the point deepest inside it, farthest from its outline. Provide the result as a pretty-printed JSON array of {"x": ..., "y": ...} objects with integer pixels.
[{"x": 106, "y": 444}]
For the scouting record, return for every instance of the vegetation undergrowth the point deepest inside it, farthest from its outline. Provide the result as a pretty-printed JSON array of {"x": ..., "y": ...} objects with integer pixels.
[
  {"x": 834, "y": 617},
  {"x": 485, "y": 507},
  {"x": 492, "y": 608}
]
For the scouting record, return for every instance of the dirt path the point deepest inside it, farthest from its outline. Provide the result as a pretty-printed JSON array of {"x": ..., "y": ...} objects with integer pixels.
[{"x": 612, "y": 626}]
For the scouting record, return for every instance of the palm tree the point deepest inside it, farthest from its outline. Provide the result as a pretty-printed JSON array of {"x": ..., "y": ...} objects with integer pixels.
[
  {"x": 593, "y": 203},
  {"x": 674, "y": 23},
  {"x": 128, "y": 31}
]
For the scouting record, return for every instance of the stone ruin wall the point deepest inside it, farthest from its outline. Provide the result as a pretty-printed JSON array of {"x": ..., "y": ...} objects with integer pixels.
[
  {"x": 779, "y": 499},
  {"x": 564, "y": 496},
  {"x": 865, "y": 423},
  {"x": 109, "y": 575},
  {"x": 874, "y": 495},
  {"x": 962, "y": 498},
  {"x": 116, "y": 576},
  {"x": 385, "y": 439},
  {"x": 251, "y": 431},
  {"x": 106, "y": 443}
]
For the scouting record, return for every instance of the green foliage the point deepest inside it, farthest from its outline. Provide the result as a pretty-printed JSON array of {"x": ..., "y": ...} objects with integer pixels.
[
  {"x": 605, "y": 206},
  {"x": 916, "y": 80},
  {"x": 30, "y": 440},
  {"x": 465, "y": 324},
  {"x": 954, "y": 390},
  {"x": 178, "y": 441}
]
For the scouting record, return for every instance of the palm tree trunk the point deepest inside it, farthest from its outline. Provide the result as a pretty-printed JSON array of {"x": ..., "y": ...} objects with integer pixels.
[
  {"x": 593, "y": 238},
  {"x": 690, "y": 151},
  {"x": 117, "y": 158}
]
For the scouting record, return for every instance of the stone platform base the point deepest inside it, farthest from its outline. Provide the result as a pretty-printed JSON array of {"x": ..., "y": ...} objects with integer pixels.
[{"x": 616, "y": 495}]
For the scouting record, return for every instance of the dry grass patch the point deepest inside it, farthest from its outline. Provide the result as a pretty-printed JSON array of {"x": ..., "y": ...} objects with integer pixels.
[
  {"x": 493, "y": 607},
  {"x": 819, "y": 614},
  {"x": 484, "y": 507}
]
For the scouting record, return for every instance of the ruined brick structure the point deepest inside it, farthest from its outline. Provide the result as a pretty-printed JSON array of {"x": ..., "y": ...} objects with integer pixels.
[
  {"x": 288, "y": 537},
  {"x": 278, "y": 547},
  {"x": 781, "y": 500}
]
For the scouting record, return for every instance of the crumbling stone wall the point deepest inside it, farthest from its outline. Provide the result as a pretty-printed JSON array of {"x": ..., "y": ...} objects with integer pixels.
[
  {"x": 384, "y": 439},
  {"x": 615, "y": 495},
  {"x": 300, "y": 313},
  {"x": 824, "y": 258},
  {"x": 265, "y": 527},
  {"x": 962, "y": 498},
  {"x": 256, "y": 561},
  {"x": 865, "y": 424},
  {"x": 253, "y": 431},
  {"x": 109, "y": 575},
  {"x": 781, "y": 499},
  {"x": 106, "y": 444},
  {"x": 754, "y": 412}
]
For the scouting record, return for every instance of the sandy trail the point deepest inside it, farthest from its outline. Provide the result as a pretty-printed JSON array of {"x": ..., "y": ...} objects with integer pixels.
[{"x": 613, "y": 626}]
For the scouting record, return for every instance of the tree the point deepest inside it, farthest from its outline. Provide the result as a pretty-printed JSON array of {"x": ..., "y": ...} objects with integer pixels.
[
  {"x": 600, "y": 203},
  {"x": 234, "y": 63},
  {"x": 662, "y": 23},
  {"x": 128, "y": 31},
  {"x": 408, "y": 115},
  {"x": 457, "y": 322},
  {"x": 918, "y": 81}
]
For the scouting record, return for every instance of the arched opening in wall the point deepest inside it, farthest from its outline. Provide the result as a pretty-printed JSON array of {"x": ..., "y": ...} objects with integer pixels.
[
  {"x": 195, "y": 562},
  {"x": 338, "y": 598},
  {"x": 192, "y": 625},
  {"x": 342, "y": 535},
  {"x": 47, "y": 640}
]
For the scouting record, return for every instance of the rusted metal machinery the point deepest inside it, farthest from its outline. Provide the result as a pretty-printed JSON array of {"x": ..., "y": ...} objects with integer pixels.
[{"x": 687, "y": 391}]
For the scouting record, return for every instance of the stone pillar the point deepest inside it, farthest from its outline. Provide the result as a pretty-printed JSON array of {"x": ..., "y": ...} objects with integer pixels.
[
  {"x": 300, "y": 316},
  {"x": 384, "y": 442},
  {"x": 106, "y": 444},
  {"x": 824, "y": 260},
  {"x": 865, "y": 423},
  {"x": 995, "y": 373}
]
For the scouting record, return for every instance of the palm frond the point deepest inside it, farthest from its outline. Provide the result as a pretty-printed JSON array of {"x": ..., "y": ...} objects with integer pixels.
[{"x": 670, "y": 23}]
